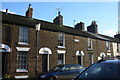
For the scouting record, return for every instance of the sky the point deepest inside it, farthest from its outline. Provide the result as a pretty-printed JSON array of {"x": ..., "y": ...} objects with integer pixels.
[
  {"x": 104, "y": 13},
  {"x": 119, "y": 17}
]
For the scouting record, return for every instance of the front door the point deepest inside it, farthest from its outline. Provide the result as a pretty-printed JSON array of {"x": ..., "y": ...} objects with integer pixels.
[
  {"x": 79, "y": 60},
  {"x": 1, "y": 65},
  {"x": 44, "y": 62},
  {"x": 4, "y": 60}
]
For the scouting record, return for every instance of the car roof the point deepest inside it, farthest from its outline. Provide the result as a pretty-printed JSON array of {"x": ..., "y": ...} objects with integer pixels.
[
  {"x": 69, "y": 64},
  {"x": 110, "y": 61}
]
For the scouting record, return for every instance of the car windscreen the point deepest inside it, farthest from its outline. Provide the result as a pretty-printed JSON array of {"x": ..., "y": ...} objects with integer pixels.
[
  {"x": 56, "y": 68},
  {"x": 101, "y": 70}
]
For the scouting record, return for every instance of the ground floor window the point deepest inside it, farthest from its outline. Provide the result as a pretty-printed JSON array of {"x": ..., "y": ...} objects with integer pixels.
[
  {"x": 61, "y": 59},
  {"x": 22, "y": 61},
  {"x": 90, "y": 58}
]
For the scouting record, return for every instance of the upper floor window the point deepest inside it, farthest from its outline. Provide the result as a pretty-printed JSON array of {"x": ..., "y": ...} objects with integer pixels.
[
  {"x": 89, "y": 44},
  {"x": 61, "y": 40},
  {"x": 23, "y": 35},
  {"x": 108, "y": 45}
]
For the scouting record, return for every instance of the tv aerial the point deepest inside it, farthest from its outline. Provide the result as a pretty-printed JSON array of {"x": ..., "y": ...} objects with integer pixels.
[{"x": 58, "y": 10}]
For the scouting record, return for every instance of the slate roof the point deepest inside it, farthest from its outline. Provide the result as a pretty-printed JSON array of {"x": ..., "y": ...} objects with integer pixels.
[
  {"x": 17, "y": 19},
  {"x": 111, "y": 38},
  {"x": 24, "y": 21}
]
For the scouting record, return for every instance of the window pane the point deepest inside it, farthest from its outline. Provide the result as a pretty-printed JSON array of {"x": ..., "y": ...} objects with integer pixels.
[
  {"x": 89, "y": 43},
  {"x": 93, "y": 72},
  {"x": 60, "y": 58},
  {"x": 118, "y": 47},
  {"x": 22, "y": 60},
  {"x": 61, "y": 39},
  {"x": 90, "y": 58},
  {"x": 66, "y": 68},
  {"x": 108, "y": 45},
  {"x": 101, "y": 71},
  {"x": 23, "y": 34},
  {"x": 73, "y": 67}
]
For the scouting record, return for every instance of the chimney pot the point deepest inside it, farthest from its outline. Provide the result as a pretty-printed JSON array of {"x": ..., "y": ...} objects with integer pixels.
[
  {"x": 6, "y": 11},
  {"x": 59, "y": 13},
  {"x": 93, "y": 22},
  {"x": 30, "y": 6},
  {"x": 29, "y": 12}
]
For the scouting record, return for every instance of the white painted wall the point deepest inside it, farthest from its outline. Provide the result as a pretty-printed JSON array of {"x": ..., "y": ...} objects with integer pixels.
[{"x": 115, "y": 52}]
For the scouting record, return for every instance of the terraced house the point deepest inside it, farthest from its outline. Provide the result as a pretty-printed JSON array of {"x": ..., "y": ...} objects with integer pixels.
[{"x": 30, "y": 46}]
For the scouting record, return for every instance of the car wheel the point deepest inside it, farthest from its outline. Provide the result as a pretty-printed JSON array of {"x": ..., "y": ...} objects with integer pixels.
[{"x": 52, "y": 78}]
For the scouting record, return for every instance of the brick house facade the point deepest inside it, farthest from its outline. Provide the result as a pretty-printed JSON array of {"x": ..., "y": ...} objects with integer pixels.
[{"x": 56, "y": 44}]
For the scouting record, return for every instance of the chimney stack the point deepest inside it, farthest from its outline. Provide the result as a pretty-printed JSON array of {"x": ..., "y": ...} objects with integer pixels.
[
  {"x": 80, "y": 26},
  {"x": 59, "y": 19},
  {"x": 29, "y": 12},
  {"x": 117, "y": 36},
  {"x": 93, "y": 27},
  {"x": 6, "y": 11}
]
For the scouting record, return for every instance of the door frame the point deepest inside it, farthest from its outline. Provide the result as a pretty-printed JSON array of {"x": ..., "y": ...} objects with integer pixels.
[
  {"x": 47, "y": 55},
  {"x": 80, "y": 53},
  {"x": 47, "y": 51}
]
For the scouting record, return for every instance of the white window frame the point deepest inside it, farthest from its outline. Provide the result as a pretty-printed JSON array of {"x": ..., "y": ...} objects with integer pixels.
[
  {"x": 108, "y": 46},
  {"x": 118, "y": 47},
  {"x": 19, "y": 62},
  {"x": 23, "y": 35},
  {"x": 61, "y": 40},
  {"x": 91, "y": 56},
  {"x": 22, "y": 48},
  {"x": 90, "y": 44},
  {"x": 21, "y": 76},
  {"x": 62, "y": 52}
]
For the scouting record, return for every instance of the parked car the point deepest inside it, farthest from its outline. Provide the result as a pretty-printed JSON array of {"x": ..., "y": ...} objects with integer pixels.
[
  {"x": 59, "y": 72},
  {"x": 102, "y": 70}
]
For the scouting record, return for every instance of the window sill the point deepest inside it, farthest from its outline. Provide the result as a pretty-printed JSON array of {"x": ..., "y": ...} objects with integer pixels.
[
  {"x": 89, "y": 49},
  {"x": 108, "y": 51},
  {"x": 61, "y": 47},
  {"x": 21, "y": 77},
  {"x": 23, "y": 43},
  {"x": 21, "y": 70}
]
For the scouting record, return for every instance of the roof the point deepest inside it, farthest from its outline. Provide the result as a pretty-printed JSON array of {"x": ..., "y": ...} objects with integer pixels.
[
  {"x": 22, "y": 20},
  {"x": 111, "y": 38},
  {"x": 99, "y": 36},
  {"x": 17, "y": 19}
]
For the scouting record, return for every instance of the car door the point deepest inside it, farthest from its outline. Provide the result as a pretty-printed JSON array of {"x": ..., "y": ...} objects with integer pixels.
[
  {"x": 109, "y": 71},
  {"x": 64, "y": 72},
  {"x": 74, "y": 71}
]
